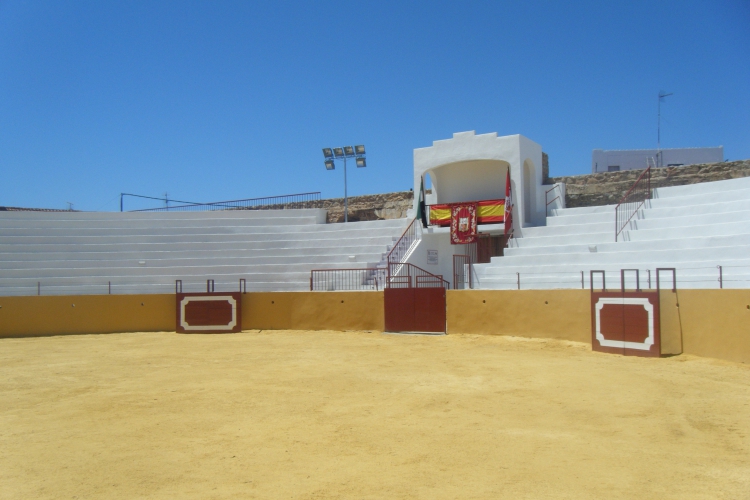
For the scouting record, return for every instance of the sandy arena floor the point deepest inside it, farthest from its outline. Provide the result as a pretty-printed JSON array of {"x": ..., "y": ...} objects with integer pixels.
[{"x": 289, "y": 414}]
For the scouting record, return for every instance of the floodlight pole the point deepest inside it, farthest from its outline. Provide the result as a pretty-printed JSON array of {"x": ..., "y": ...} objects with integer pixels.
[{"x": 346, "y": 196}]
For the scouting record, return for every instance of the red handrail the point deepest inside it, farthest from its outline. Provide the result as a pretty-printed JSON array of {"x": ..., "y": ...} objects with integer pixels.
[
  {"x": 633, "y": 200},
  {"x": 556, "y": 186},
  {"x": 401, "y": 279},
  {"x": 403, "y": 244}
]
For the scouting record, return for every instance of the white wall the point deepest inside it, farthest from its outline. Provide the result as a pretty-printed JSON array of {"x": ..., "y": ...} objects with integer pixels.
[
  {"x": 635, "y": 159},
  {"x": 468, "y": 167}
]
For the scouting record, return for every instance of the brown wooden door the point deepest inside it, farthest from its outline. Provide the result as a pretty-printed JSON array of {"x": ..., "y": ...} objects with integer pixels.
[
  {"x": 625, "y": 323},
  {"x": 415, "y": 310}
]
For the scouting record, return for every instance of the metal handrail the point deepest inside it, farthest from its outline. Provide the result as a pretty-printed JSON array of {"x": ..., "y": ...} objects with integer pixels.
[
  {"x": 248, "y": 203},
  {"x": 629, "y": 207},
  {"x": 397, "y": 279},
  {"x": 367, "y": 278},
  {"x": 404, "y": 244},
  {"x": 556, "y": 186}
]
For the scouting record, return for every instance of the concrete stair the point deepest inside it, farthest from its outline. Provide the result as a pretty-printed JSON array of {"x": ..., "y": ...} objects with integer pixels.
[
  {"x": 95, "y": 252},
  {"x": 693, "y": 228}
]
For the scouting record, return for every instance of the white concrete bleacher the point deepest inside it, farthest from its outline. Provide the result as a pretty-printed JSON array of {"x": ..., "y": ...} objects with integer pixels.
[
  {"x": 66, "y": 253},
  {"x": 693, "y": 228}
]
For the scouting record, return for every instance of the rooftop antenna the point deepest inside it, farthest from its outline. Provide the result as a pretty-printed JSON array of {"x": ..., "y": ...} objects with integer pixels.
[
  {"x": 166, "y": 200},
  {"x": 659, "y": 160},
  {"x": 70, "y": 206}
]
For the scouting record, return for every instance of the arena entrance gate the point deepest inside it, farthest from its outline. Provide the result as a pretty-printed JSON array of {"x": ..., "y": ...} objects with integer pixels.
[
  {"x": 209, "y": 312},
  {"x": 414, "y": 300},
  {"x": 626, "y": 322}
]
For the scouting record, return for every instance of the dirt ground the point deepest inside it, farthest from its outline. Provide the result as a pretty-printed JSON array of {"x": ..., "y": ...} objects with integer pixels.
[{"x": 293, "y": 414}]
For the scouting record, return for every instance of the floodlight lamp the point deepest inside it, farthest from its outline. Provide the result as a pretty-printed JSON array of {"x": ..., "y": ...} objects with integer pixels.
[
  {"x": 338, "y": 152},
  {"x": 327, "y": 152},
  {"x": 330, "y": 165},
  {"x": 348, "y": 151},
  {"x": 361, "y": 162},
  {"x": 360, "y": 150}
]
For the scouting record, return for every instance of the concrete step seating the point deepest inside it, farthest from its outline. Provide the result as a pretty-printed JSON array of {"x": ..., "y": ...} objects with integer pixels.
[
  {"x": 97, "y": 252},
  {"x": 693, "y": 228}
]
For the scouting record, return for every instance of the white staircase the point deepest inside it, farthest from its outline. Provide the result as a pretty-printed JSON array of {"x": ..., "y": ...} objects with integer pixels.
[
  {"x": 693, "y": 228},
  {"x": 93, "y": 252}
]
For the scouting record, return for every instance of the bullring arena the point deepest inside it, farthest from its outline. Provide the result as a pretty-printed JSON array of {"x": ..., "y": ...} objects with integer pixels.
[{"x": 493, "y": 343}]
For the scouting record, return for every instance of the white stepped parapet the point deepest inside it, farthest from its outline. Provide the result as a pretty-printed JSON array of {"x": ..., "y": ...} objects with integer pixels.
[
  {"x": 692, "y": 228},
  {"x": 273, "y": 250}
]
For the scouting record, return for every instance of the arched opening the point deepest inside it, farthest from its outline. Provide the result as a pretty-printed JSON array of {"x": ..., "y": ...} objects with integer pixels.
[
  {"x": 529, "y": 192},
  {"x": 473, "y": 180}
]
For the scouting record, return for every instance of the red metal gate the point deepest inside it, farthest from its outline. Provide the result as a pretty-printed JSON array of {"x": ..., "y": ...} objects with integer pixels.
[
  {"x": 625, "y": 322},
  {"x": 414, "y": 300}
]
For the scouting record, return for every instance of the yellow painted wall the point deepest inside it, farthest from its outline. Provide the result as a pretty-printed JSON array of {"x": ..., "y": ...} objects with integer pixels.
[
  {"x": 711, "y": 323},
  {"x": 33, "y": 316},
  {"x": 558, "y": 314},
  {"x": 313, "y": 311}
]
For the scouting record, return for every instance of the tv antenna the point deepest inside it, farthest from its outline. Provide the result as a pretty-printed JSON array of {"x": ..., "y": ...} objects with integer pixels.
[{"x": 662, "y": 95}]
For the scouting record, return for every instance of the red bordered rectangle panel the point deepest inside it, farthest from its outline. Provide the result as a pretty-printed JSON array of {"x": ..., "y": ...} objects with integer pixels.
[{"x": 209, "y": 312}]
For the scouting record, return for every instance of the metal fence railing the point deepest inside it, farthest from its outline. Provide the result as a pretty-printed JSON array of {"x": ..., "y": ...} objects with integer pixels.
[
  {"x": 329, "y": 280},
  {"x": 633, "y": 200},
  {"x": 401, "y": 275},
  {"x": 723, "y": 276},
  {"x": 405, "y": 275},
  {"x": 287, "y": 201},
  {"x": 719, "y": 276},
  {"x": 79, "y": 286}
]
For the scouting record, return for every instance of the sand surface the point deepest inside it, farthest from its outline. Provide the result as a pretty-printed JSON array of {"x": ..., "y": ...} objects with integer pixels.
[{"x": 290, "y": 414}]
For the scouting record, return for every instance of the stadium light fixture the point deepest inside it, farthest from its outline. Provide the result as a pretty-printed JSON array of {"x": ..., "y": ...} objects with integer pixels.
[{"x": 356, "y": 152}]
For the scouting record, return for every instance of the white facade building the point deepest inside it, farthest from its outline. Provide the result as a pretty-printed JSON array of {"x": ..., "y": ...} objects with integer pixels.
[
  {"x": 470, "y": 167},
  {"x": 615, "y": 160}
]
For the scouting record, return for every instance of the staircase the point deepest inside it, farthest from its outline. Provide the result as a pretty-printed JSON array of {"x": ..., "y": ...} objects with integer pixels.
[
  {"x": 694, "y": 228},
  {"x": 60, "y": 253}
]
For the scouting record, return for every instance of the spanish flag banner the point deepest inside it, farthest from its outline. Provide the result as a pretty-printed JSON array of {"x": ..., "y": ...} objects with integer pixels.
[{"x": 488, "y": 212}]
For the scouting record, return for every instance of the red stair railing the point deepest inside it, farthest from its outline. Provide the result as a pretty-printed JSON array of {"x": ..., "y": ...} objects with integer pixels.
[
  {"x": 404, "y": 275},
  {"x": 404, "y": 243},
  {"x": 632, "y": 201}
]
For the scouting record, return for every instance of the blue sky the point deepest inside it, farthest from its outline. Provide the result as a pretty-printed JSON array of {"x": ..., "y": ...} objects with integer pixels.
[{"x": 223, "y": 100}]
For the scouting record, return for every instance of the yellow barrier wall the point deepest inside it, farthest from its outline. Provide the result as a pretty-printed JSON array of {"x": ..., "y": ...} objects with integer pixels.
[
  {"x": 711, "y": 323},
  {"x": 313, "y": 311},
  {"x": 557, "y": 314},
  {"x": 33, "y": 316}
]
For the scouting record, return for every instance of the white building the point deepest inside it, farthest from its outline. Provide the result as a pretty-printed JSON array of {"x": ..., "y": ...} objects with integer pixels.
[{"x": 614, "y": 160}]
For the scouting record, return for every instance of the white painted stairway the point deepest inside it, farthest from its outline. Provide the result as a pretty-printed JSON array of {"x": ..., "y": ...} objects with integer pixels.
[
  {"x": 693, "y": 228},
  {"x": 89, "y": 252}
]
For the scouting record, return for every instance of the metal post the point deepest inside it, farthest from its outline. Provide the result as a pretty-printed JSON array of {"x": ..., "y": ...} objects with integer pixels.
[
  {"x": 582, "y": 287},
  {"x": 121, "y": 201},
  {"x": 518, "y": 280},
  {"x": 649, "y": 278},
  {"x": 109, "y": 287},
  {"x": 721, "y": 277},
  {"x": 38, "y": 287},
  {"x": 346, "y": 197}
]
